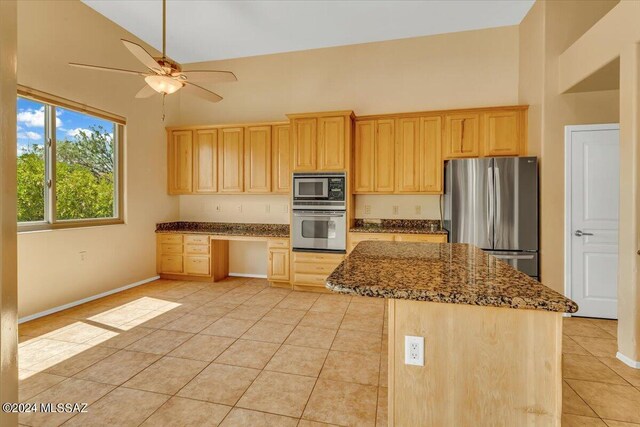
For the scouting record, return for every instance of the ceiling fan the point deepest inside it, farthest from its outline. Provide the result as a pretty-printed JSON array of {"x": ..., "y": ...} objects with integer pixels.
[{"x": 166, "y": 76}]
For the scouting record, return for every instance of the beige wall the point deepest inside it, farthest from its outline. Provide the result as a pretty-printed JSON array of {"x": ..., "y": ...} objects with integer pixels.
[
  {"x": 549, "y": 29},
  {"x": 467, "y": 69},
  {"x": 8, "y": 285},
  {"x": 50, "y": 270}
]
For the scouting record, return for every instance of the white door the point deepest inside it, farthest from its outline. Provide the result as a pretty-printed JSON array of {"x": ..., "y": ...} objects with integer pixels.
[{"x": 592, "y": 229}]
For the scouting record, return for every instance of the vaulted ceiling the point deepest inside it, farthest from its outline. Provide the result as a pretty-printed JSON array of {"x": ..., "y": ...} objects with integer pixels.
[{"x": 200, "y": 30}]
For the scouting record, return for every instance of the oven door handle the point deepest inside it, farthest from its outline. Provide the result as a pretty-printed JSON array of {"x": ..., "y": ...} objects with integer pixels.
[{"x": 324, "y": 215}]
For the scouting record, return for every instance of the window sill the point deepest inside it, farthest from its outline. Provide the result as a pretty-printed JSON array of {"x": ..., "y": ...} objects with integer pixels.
[{"x": 64, "y": 225}]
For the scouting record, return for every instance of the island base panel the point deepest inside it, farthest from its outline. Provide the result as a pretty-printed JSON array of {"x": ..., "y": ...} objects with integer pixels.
[{"x": 484, "y": 366}]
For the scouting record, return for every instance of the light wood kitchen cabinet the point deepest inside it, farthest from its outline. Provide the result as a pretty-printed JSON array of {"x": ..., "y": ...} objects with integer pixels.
[
  {"x": 431, "y": 169},
  {"x": 364, "y": 153},
  {"x": 384, "y": 154},
  {"x": 331, "y": 143},
  {"x": 281, "y": 159},
  {"x": 321, "y": 141},
  {"x": 408, "y": 153},
  {"x": 180, "y": 162},
  {"x": 503, "y": 133},
  {"x": 278, "y": 260},
  {"x": 205, "y": 161},
  {"x": 374, "y": 156},
  {"x": 426, "y": 238},
  {"x": 304, "y": 144},
  {"x": 192, "y": 256},
  {"x": 231, "y": 160},
  {"x": 309, "y": 270},
  {"x": 257, "y": 159},
  {"x": 462, "y": 135},
  {"x": 278, "y": 270}
]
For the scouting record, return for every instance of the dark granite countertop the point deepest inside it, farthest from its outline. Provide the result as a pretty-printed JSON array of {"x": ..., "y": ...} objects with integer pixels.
[
  {"x": 453, "y": 273},
  {"x": 224, "y": 228},
  {"x": 398, "y": 226}
]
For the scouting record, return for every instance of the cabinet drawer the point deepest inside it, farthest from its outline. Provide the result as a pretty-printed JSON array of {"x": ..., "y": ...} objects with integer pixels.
[
  {"x": 310, "y": 279},
  {"x": 314, "y": 257},
  {"x": 197, "y": 249},
  {"x": 429, "y": 238},
  {"x": 313, "y": 268},
  {"x": 278, "y": 243},
  {"x": 196, "y": 240},
  {"x": 171, "y": 238},
  {"x": 197, "y": 265},
  {"x": 171, "y": 248},
  {"x": 171, "y": 264}
]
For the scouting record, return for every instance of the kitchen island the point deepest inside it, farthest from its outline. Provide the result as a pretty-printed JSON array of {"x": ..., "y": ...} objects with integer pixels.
[{"x": 492, "y": 335}]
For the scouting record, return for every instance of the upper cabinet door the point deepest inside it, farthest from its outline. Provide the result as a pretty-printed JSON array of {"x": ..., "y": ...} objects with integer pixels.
[
  {"x": 502, "y": 133},
  {"x": 364, "y": 156},
  {"x": 304, "y": 144},
  {"x": 331, "y": 143},
  {"x": 257, "y": 159},
  {"x": 408, "y": 155},
  {"x": 432, "y": 166},
  {"x": 181, "y": 162},
  {"x": 231, "y": 159},
  {"x": 384, "y": 156},
  {"x": 462, "y": 135},
  {"x": 281, "y": 159},
  {"x": 205, "y": 161}
]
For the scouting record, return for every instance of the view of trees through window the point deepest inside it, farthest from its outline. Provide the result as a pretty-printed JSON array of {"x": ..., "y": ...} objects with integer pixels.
[{"x": 85, "y": 163}]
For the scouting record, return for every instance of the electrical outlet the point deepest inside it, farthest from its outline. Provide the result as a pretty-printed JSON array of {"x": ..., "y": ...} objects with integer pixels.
[
  {"x": 267, "y": 208},
  {"x": 396, "y": 210},
  {"x": 413, "y": 350},
  {"x": 418, "y": 209},
  {"x": 239, "y": 208},
  {"x": 218, "y": 208},
  {"x": 83, "y": 256},
  {"x": 367, "y": 209},
  {"x": 285, "y": 208}
]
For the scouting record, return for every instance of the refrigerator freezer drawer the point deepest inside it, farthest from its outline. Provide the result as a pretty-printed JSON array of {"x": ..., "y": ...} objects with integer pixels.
[{"x": 526, "y": 262}]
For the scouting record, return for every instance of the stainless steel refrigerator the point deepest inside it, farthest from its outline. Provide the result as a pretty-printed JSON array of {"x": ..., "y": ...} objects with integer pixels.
[{"x": 492, "y": 203}]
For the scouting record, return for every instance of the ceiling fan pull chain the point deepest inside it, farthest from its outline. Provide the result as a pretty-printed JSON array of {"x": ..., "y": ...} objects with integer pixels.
[{"x": 163, "y": 96}]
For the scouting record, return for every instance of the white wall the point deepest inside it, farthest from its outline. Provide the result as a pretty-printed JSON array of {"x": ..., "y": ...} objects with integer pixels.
[
  {"x": 255, "y": 209},
  {"x": 408, "y": 206}
]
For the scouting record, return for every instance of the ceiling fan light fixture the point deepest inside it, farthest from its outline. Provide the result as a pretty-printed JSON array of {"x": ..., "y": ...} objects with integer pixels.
[{"x": 163, "y": 84}]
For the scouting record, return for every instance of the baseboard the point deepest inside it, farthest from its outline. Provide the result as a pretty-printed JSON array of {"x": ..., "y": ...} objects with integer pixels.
[
  {"x": 253, "y": 276},
  {"x": 84, "y": 300},
  {"x": 628, "y": 361}
]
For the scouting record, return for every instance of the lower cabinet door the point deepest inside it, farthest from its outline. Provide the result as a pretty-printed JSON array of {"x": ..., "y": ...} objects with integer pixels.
[
  {"x": 199, "y": 265},
  {"x": 278, "y": 265},
  {"x": 171, "y": 264}
]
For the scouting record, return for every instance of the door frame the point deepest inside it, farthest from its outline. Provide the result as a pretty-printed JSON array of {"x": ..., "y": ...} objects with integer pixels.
[{"x": 568, "y": 211}]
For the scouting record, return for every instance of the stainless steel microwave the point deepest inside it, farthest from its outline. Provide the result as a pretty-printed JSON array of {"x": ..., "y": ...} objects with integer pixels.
[{"x": 319, "y": 190}]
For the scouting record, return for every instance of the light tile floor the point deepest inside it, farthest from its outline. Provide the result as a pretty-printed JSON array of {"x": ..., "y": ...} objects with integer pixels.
[{"x": 239, "y": 353}]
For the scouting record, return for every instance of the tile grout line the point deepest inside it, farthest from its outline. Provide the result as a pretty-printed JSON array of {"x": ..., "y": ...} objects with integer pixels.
[{"x": 325, "y": 360}]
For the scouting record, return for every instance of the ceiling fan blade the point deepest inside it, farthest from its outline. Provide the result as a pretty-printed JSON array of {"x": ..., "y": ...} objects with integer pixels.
[
  {"x": 209, "y": 76},
  {"x": 146, "y": 92},
  {"x": 143, "y": 56},
  {"x": 97, "y": 67},
  {"x": 201, "y": 92}
]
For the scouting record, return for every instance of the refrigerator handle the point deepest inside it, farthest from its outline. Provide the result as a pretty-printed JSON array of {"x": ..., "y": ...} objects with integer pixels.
[
  {"x": 498, "y": 195},
  {"x": 490, "y": 201}
]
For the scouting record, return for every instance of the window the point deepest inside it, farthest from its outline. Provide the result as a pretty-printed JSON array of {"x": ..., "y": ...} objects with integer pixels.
[{"x": 69, "y": 168}]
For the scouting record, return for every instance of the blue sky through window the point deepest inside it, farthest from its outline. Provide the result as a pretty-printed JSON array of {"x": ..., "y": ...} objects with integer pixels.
[{"x": 68, "y": 124}]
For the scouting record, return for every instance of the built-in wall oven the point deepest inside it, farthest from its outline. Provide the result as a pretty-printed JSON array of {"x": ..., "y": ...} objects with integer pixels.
[{"x": 319, "y": 212}]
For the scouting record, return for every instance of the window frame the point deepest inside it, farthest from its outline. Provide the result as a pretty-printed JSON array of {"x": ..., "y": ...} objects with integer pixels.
[{"x": 50, "y": 222}]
